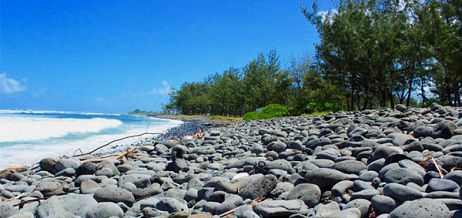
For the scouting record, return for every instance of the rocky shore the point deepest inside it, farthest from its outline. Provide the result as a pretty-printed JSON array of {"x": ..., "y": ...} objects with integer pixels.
[{"x": 375, "y": 163}]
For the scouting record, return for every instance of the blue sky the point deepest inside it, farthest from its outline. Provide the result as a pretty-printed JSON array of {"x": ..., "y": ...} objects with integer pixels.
[{"x": 116, "y": 56}]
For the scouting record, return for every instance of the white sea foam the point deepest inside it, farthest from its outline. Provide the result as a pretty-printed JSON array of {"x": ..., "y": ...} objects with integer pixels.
[
  {"x": 7, "y": 111},
  {"x": 17, "y": 128},
  {"x": 27, "y": 139}
]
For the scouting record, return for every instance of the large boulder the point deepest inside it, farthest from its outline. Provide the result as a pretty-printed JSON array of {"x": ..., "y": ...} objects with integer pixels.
[
  {"x": 7, "y": 210},
  {"x": 444, "y": 129},
  {"x": 49, "y": 187},
  {"x": 401, "y": 192},
  {"x": 350, "y": 166},
  {"x": 171, "y": 205},
  {"x": 66, "y": 163},
  {"x": 64, "y": 206},
  {"x": 105, "y": 209},
  {"x": 308, "y": 193},
  {"x": 424, "y": 207},
  {"x": 326, "y": 178},
  {"x": 110, "y": 194},
  {"x": 47, "y": 164},
  {"x": 259, "y": 187},
  {"x": 403, "y": 176},
  {"x": 280, "y": 208}
]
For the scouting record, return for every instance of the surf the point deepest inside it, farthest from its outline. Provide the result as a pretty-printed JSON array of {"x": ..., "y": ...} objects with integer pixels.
[{"x": 27, "y": 136}]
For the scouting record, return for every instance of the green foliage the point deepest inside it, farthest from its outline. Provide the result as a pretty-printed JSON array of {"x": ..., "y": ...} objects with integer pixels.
[
  {"x": 322, "y": 107},
  {"x": 268, "y": 112},
  {"x": 380, "y": 52},
  {"x": 371, "y": 54}
]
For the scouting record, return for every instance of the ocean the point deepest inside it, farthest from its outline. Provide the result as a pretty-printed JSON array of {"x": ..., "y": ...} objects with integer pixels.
[{"x": 26, "y": 136}]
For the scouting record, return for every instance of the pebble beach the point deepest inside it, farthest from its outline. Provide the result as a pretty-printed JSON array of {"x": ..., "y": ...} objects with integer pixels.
[{"x": 397, "y": 163}]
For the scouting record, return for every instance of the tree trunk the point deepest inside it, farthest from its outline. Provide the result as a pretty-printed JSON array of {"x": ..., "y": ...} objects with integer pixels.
[
  {"x": 422, "y": 90},
  {"x": 383, "y": 98},
  {"x": 448, "y": 91},
  {"x": 392, "y": 101},
  {"x": 458, "y": 91},
  {"x": 352, "y": 99},
  {"x": 409, "y": 92},
  {"x": 365, "y": 101}
]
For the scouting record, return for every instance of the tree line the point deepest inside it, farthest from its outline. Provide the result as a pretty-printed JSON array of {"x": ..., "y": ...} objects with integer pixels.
[{"x": 372, "y": 53}]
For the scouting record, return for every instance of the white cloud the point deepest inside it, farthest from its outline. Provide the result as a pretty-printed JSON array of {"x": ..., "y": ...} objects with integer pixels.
[
  {"x": 165, "y": 90},
  {"x": 9, "y": 85}
]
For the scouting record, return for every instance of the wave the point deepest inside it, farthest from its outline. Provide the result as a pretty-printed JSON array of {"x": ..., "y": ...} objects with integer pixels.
[
  {"x": 26, "y": 153},
  {"x": 21, "y": 129},
  {"x": 26, "y": 111}
]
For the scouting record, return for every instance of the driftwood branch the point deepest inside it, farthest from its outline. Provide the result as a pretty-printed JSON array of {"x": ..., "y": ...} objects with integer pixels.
[
  {"x": 252, "y": 203},
  {"x": 116, "y": 140},
  {"x": 22, "y": 203},
  {"x": 438, "y": 167}
]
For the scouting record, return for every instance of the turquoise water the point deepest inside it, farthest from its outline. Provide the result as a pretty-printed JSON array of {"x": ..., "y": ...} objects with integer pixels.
[{"x": 28, "y": 136}]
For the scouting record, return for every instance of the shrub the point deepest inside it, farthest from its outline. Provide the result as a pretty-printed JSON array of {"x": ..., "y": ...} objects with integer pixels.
[
  {"x": 322, "y": 107},
  {"x": 269, "y": 111}
]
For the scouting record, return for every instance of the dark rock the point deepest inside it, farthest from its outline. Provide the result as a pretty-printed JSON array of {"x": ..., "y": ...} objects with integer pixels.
[
  {"x": 70, "y": 205},
  {"x": 280, "y": 208},
  {"x": 368, "y": 176},
  {"x": 402, "y": 139},
  {"x": 115, "y": 195},
  {"x": 444, "y": 130},
  {"x": 325, "y": 178},
  {"x": 47, "y": 164},
  {"x": 17, "y": 176},
  {"x": 341, "y": 187},
  {"x": 365, "y": 194},
  {"x": 230, "y": 202},
  {"x": 171, "y": 205},
  {"x": 436, "y": 184},
  {"x": 455, "y": 176},
  {"x": 350, "y": 166},
  {"x": 297, "y": 145},
  {"x": 177, "y": 165},
  {"x": 359, "y": 185},
  {"x": 146, "y": 192},
  {"x": 401, "y": 192},
  {"x": 403, "y": 176},
  {"x": 66, "y": 163},
  {"x": 362, "y": 204},
  {"x": 451, "y": 203},
  {"x": 308, "y": 193},
  {"x": 68, "y": 172},
  {"x": 401, "y": 107},
  {"x": 382, "y": 151},
  {"x": 87, "y": 168},
  {"x": 140, "y": 180},
  {"x": 277, "y": 146},
  {"x": 424, "y": 207},
  {"x": 383, "y": 204},
  {"x": 50, "y": 187},
  {"x": 257, "y": 148},
  {"x": 105, "y": 209},
  {"x": 376, "y": 165},
  {"x": 260, "y": 187},
  {"x": 413, "y": 146},
  {"x": 423, "y": 131}
]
